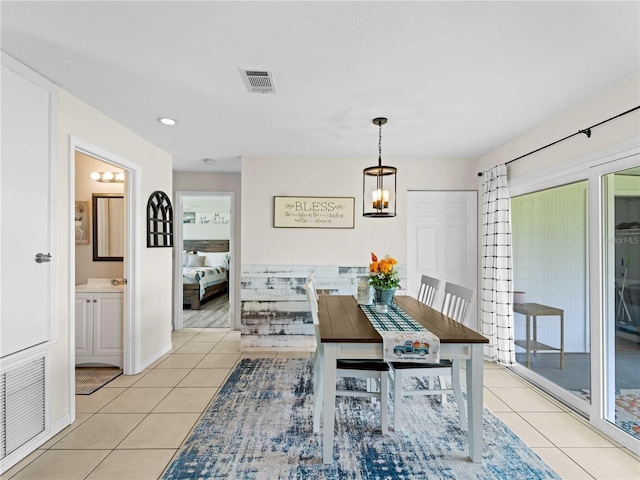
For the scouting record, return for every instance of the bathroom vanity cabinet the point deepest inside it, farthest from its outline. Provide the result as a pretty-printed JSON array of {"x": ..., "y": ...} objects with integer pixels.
[{"x": 99, "y": 325}]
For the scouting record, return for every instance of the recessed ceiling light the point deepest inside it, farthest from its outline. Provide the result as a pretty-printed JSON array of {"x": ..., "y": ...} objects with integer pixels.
[
  {"x": 167, "y": 121},
  {"x": 209, "y": 161}
]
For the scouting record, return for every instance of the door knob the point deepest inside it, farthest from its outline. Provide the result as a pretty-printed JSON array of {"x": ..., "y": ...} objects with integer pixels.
[{"x": 43, "y": 257}]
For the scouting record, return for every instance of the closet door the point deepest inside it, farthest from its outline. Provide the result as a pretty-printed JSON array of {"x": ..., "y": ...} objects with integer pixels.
[
  {"x": 25, "y": 207},
  {"x": 442, "y": 241}
]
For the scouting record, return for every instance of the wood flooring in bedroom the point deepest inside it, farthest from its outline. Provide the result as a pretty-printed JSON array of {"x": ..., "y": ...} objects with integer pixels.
[{"x": 214, "y": 313}]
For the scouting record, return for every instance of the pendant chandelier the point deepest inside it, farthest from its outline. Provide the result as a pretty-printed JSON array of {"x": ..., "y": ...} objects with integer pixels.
[{"x": 379, "y": 184}]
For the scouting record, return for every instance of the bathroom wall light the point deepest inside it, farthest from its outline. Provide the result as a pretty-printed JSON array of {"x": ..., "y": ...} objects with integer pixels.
[{"x": 108, "y": 177}]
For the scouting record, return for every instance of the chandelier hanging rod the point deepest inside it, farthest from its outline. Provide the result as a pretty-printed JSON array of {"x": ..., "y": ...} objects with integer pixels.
[{"x": 379, "y": 121}]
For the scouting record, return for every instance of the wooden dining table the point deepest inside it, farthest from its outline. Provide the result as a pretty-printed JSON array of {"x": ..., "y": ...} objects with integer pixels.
[{"x": 346, "y": 332}]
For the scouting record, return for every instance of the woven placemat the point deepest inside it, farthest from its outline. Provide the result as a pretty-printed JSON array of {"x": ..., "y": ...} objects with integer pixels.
[{"x": 90, "y": 379}]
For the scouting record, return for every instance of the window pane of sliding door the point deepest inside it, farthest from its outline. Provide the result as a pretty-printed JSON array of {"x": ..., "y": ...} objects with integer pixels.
[
  {"x": 622, "y": 299},
  {"x": 550, "y": 258}
]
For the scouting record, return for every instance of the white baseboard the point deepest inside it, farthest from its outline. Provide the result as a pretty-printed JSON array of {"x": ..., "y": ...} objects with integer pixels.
[
  {"x": 32, "y": 445},
  {"x": 155, "y": 356}
]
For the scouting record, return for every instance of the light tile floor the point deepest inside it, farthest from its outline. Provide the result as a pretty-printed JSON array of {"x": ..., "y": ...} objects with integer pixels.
[{"x": 133, "y": 427}]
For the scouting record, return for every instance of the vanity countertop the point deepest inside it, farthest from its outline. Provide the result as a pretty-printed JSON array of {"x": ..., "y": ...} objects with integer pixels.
[{"x": 99, "y": 285}]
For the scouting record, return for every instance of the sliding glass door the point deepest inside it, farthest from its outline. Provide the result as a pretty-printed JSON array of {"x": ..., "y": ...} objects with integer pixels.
[
  {"x": 576, "y": 260},
  {"x": 551, "y": 316},
  {"x": 621, "y": 227}
]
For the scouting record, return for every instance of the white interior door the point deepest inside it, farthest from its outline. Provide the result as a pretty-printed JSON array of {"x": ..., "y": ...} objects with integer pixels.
[
  {"x": 442, "y": 240},
  {"x": 25, "y": 211}
]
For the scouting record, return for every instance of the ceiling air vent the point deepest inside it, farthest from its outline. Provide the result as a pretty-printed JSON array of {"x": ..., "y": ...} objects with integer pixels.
[{"x": 258, "y": 80}]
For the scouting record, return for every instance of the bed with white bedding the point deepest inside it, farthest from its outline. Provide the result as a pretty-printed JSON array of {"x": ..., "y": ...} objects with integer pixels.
[{"x": 204, "y": 273}]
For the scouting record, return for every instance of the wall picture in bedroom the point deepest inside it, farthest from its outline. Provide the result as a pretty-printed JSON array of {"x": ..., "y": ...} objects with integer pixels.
[{"x": 213, "y": 218}]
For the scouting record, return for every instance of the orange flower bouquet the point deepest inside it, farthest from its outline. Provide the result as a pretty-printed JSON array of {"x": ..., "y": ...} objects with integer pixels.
[{"x": 383, "y": 273}]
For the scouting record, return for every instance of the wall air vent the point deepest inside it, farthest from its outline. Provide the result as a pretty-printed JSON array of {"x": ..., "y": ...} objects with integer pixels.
[
  {"x": 258, "y": 80},
  {"x": 22, "y": 404}
]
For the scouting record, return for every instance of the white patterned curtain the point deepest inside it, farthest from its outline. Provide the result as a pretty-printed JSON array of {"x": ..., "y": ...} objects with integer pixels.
[{"x": 496, "y": 309}]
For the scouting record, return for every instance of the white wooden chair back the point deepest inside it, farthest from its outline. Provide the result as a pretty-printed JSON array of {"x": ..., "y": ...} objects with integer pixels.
[
  {"x": 312, "y": 285},
  {"x": 428, "y": 290},
  {"x": 313, "y": 306},
  {"x": 313, "y": 301},
  {"x": 312, "y": 294},
  {"x": 457, "y": 302}
]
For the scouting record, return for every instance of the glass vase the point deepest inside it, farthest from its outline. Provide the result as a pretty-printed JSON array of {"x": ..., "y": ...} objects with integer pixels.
[{"x": 384, "y": 298}]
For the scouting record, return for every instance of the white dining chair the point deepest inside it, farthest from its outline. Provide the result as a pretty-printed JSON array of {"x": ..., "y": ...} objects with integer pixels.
[
  {"x": 457, "y": 302},
  {"x": 456, "y": 305},
  {"x": 375, "y": 369},
  {"x": 428, "y": 290},
  {"x": 427, "y": 294},
  {"x": 311, "y": 285}
]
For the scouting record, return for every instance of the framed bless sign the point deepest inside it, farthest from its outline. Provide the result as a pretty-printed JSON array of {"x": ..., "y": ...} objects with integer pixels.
[{"x": 313, "y": 212}]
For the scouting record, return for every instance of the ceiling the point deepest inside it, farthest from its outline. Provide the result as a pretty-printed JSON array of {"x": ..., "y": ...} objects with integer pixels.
[{"x": 455, "y": 79}]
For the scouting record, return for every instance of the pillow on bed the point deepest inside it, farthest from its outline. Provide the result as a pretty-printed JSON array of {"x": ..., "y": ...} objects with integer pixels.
[
  {"x": 185, "y": 258},
  {"x": 195, "y": 261},
  {"x": 216, "y": 259}
]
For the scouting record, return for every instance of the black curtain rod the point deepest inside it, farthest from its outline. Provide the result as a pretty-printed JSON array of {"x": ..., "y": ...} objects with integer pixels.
[{"x": 586, "y": 131}]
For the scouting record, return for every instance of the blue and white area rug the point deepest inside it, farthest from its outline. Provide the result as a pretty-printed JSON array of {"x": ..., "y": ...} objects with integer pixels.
[{"x": 260, "y": 427}]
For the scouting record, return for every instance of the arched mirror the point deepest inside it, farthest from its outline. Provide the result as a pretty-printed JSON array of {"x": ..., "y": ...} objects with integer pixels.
[{"x": 108, "y": 227}]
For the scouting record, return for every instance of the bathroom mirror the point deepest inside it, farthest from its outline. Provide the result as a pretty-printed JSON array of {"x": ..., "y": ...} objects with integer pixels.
[{"x": 108, "y": 227}]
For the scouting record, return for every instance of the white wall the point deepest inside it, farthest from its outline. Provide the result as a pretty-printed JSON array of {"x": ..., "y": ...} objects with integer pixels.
[
  {"x": 276, "y": 261},
  {"x": 85, "y": 187},
  {"x": 78, "y": 119},
  {"x": 263, "y": 178}
]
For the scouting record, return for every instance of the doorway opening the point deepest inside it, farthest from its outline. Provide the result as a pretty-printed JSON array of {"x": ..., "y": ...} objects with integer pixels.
[
  {"x": 204, "y": 279},
  {"x": 121, "y": 244},
  {"x": 99, "y": 220}
]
